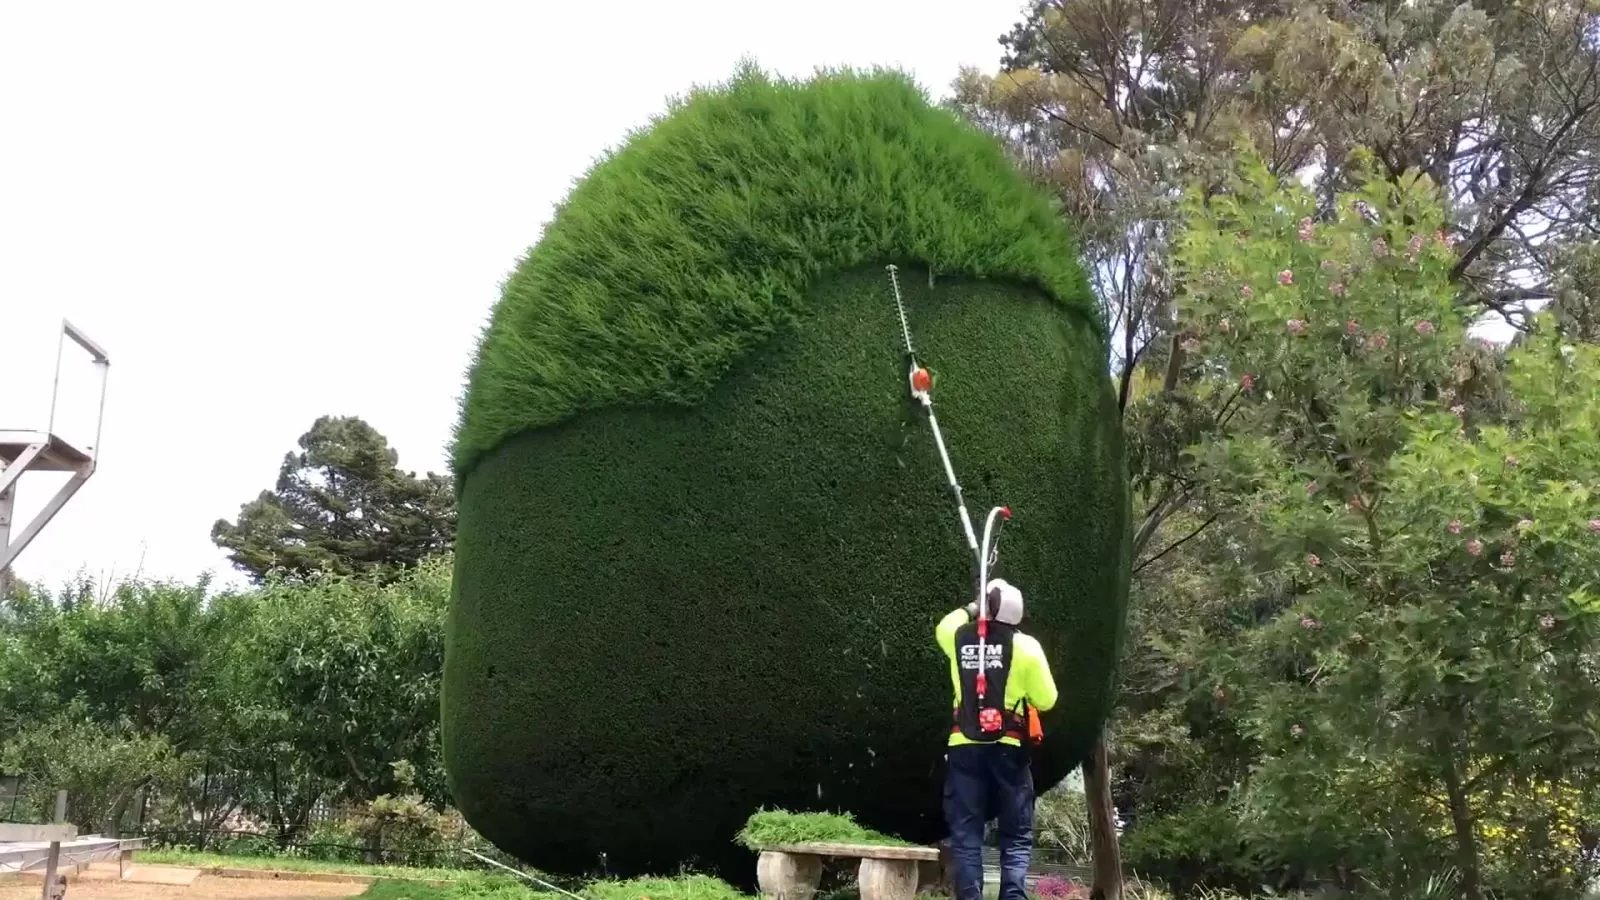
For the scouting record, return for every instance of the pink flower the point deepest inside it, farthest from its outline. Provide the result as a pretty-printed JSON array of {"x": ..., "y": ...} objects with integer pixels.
[
  {"x": 1310, "y": 623},
  {"x": 1337, "y": 289},
  {"x": 1308, "y": 229},
  {"x": 1312, "y": 487},
  {"x": 1286, "y": 277},
  {"x": 1414, "y": 247},
  {"x": 1246, "y": 291},
  {"x": 1458, "y": 409},
  {"x": 1296, "y": 326},
  {"x": 1247, "y": 382},
  {"x": 1547, "y": 622},
  {"x": 1511, "y": 461},
  {"x": 1313, "y": 560},
  {"x": 1219, "y": 693},
  {"x": 1378, "y": 341},
  {"x": 1449, "y": 240},
  {"x": 1352, "y": 327},
  {"x": 1594, "y": 526},
  {"x": 1224, "y": 326},
  {"x": 1190, "y": 345},
  {"x": 1380, "y": 248},
  {"x": 1424, "y": 328},
  {"x": 1475, "y": 547},
  {"x": 1508, "y": 559},
  {"x": 1454, "y": 526},
  {"x": 1297, "y": 730}
]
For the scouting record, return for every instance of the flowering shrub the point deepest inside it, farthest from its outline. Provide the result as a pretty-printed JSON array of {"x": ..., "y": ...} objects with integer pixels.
[
  {"x": 1424, "y": 540},
  {"x": 1055, "y": 887}
]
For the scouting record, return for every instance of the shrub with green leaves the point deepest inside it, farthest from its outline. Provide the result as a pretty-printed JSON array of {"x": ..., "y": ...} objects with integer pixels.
[
  {"x": 704, "y": 534},
  {"x": 1414, "y": 525}
]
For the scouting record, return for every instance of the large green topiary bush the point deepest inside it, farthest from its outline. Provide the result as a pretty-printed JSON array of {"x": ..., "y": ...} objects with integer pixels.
[{"x": 703, "y": 533}]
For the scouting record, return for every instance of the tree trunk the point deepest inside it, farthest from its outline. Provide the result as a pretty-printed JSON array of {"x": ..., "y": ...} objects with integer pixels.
[
  {"x": 1465, "y": 834},
  {"x": 1102, "y": 825}
]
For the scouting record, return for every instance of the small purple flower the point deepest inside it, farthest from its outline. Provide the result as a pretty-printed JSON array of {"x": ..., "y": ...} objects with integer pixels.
[
  {"x": 1475, "y": 547},
  {"x": 1594, "y": 526},
  {"x": 1378, "y": 341},
  {"x": 1286, "y": 277},
  {"x": 1337, "y": 289},
  {"x": 1247, "y": 382},
  {"x": 1246, "y": 291},
  {"x": 1414, "y": 247},
  {"x": 1190, "y": 345},
  {"x": 1313, "y": 560},
  {"x": 1310, "y": 623},
  {"x": 1547, "y": 622},
  {"x": 1352, "y": 327},
  {"x": 1424, "y": 328},
  {"x": 1296, "y": 326},
  {"x": 1454, "y": 526}
]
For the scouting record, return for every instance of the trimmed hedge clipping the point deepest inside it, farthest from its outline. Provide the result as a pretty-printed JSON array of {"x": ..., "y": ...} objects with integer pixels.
[{"x": 703, "y": 532}]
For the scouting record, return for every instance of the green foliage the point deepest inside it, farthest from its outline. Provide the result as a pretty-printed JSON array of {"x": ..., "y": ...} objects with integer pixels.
[
  {"x": 1194, "y": 847},
  {"x": 356, "y": 696},
  {"x": 779, "y": 827},
  {"x": 759, "y": 579},
  {"x": 341, "y": 506},
  {"x": 1061, "y": 824},
  {"x": 100, "y": 767},
  {"x": 1417, "y": 557},
  {"x": 694, "y": 243}
]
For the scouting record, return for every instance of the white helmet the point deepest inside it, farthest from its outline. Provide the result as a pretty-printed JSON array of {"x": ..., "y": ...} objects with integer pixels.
[{"x": 1005, "y": 602}]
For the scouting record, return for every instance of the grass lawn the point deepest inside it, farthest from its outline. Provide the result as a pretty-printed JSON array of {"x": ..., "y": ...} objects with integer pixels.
[
  {"x": 291, "y": 864},
  {"x": 480, "y": 887}
]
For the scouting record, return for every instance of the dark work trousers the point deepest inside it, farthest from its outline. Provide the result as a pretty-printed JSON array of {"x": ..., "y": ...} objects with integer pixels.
[{"x": 983, "y": 782}]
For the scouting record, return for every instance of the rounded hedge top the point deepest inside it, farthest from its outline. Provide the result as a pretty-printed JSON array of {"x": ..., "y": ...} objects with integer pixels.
[{"x": 687, "y": 247}]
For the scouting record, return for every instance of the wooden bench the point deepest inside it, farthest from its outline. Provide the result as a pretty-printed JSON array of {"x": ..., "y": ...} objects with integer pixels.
[{"x": 792, "y": 872}]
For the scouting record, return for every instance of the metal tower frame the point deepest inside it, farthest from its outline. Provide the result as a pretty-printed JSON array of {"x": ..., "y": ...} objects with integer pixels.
[{"x": 22, "y": 452}]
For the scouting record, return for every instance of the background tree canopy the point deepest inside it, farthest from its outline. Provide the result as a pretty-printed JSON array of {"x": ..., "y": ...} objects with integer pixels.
[{"x": 341, "y": 505}]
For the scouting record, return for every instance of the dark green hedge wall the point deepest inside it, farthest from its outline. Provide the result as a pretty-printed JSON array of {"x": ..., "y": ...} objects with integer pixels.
[{"x": 668, "y": 616}]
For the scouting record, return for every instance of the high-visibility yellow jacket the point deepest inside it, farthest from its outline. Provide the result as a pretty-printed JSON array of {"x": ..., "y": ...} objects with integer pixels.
[{"x": 1029, "y": 679}]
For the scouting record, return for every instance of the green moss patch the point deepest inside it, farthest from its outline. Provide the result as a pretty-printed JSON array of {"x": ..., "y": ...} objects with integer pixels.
[
  {"x": 696, "y": 241},
  {"x": 779, "y": 827}
]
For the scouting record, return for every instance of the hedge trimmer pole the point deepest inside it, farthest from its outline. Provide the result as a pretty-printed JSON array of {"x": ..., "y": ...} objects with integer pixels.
[{"x": 922, "y": 389}]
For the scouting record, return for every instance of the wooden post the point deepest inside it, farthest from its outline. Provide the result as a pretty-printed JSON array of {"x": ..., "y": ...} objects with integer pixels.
[
  {"x": 50, "y": 863},
  {"x": 1102, "y": 825}
]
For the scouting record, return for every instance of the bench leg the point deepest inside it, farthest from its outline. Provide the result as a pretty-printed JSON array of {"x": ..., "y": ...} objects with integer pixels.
[
  {"x": 788, "y": 876},
  {"x": 888, "y": 879}
]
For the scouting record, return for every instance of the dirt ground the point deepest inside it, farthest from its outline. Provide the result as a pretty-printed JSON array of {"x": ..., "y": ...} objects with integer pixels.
[{"x": 206, "y": 887}]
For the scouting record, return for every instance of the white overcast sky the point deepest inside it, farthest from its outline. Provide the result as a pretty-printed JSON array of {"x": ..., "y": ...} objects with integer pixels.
[{"x": 270, "y": 211}]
